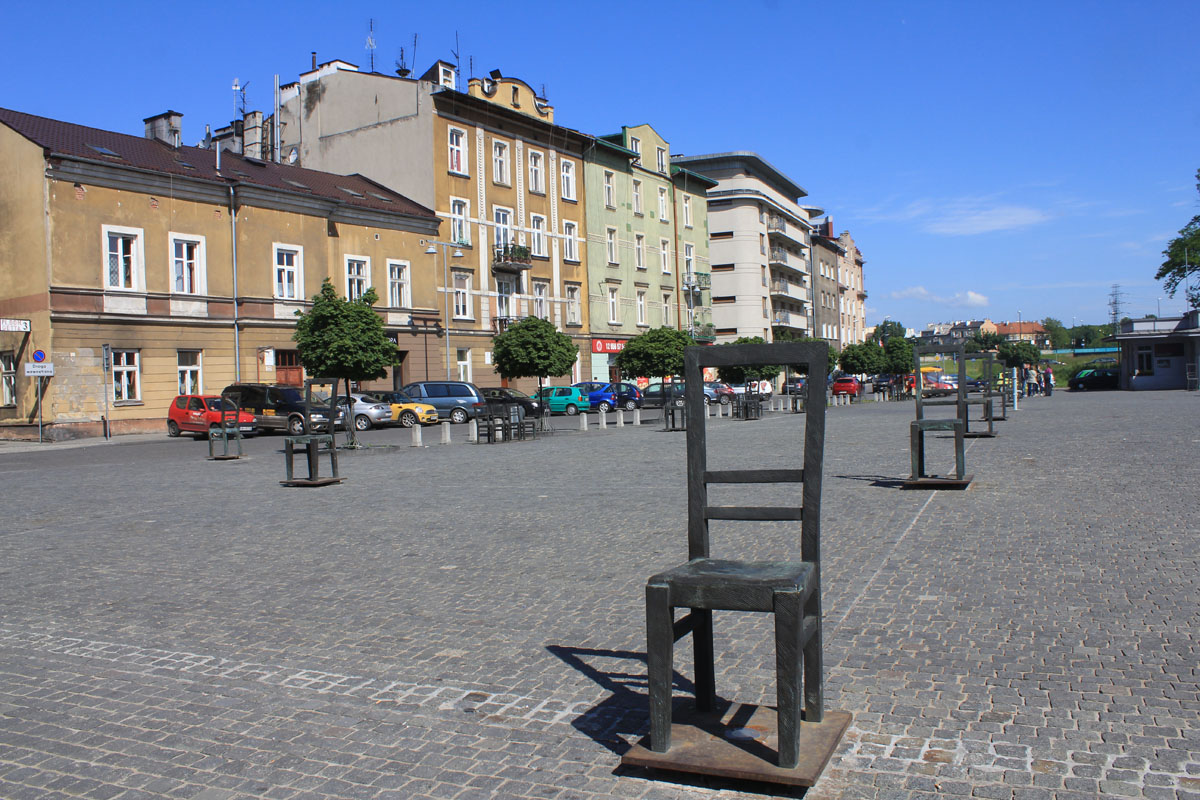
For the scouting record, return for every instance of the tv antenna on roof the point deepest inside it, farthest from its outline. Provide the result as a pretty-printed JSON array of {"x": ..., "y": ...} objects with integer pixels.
[
  {"x": 239, "y": 97},
  {"x": 371, "y": 43}
]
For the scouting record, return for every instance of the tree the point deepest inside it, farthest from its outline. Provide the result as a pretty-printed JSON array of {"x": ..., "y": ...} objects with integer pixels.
[
  {"x": 862, "y": 359},
  {"x": 533, "y": 348},
  {"x": 987, "y": 341},
  {"x": 1014, "y": 354},
  {"x": 887, "y": 329},
  {"x": 656, "y": 353},
  {"x": 1183, "y": 260},
  {"x": 752, "y": 372},
  {"x": 898, "y": 353},
  {"x": 344, "y": 340},
  {"x": 786, "y": 335},
  {"x": 1060, "y": 337}
]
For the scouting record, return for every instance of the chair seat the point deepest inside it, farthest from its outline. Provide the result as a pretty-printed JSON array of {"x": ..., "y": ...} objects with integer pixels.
[{"x": 711, "y": 583}]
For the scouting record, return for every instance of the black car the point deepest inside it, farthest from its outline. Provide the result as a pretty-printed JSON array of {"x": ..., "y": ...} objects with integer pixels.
[
  {"x": 532, "y": 407},
  {"x": 1095, "y": 378},
  {"x": 278, "y": 407},
  {"x": 975, "y": 385}
]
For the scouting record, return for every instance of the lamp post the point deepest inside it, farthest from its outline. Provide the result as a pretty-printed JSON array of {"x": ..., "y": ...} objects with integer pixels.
[{"x": 432, "y": 250}]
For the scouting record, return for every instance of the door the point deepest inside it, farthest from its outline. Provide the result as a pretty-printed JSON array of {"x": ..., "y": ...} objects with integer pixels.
[{"x": 288, "y": 370}]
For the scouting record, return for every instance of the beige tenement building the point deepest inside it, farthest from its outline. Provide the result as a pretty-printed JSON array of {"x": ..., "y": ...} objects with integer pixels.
[{"x": 188, "y": 271}]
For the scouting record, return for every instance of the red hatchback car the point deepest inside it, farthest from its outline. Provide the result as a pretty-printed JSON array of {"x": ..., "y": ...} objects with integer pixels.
[
  {"x": 196, "y": 413},
  {"x": 847, "y": 385}
]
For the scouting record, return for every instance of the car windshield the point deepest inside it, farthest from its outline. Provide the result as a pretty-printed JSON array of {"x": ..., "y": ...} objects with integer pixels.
[
  {"x": 400, "y": 397},
  {"x": 515, "y": 393}
]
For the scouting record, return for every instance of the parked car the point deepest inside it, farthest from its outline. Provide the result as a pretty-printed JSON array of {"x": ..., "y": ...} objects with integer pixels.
[
  {"x": 723, "y": 391},
  {"x": 761, "y": 388},
  {"x": 1096, "y": 378},
  {"x": 882, "y": 383},
  {"x": 607, "y": 396},
  {"x": 976, "y": 385},
  {"x": 847, "y": 384},
  {"x": 659, "y": 394},
  {"x": 532, "y": 407},
  {"x": 407, "y": 412},
  {"x": 458, "y": 400},
  {"x": 367, "y": 410},
  {"x": 794, "y": 385},
  {"x": 196, "y": 413},
  {"x": 569, "y": 400},
  {"x": 278, "y": 407},
  {"x": 932, "y": 385}
]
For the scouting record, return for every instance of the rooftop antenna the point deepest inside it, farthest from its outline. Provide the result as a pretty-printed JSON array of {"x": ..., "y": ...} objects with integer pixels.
[
  {"x": 239, "y": 97},
  {"x": 414, "y": 51},
  {"x": 371, "y": 43},
  {"x": 457, "y": 59},
  {"x": 401, "y": 67}
]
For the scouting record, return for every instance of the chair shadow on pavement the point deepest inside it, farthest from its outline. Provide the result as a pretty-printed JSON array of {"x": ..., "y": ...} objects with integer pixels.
[
  {"x": 876, "y": 480},
  {"x": 623, "y": 716}
]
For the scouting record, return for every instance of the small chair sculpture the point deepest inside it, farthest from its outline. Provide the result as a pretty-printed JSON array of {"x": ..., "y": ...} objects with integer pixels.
[
  {"x": 920, "y": 479},
  {"x": 985, "y": 399},
  {"x": 226, "y": 430},
  {"x": 315, "y": 444},
  {"x": 675, "y": 413},
  {"x": 807, "y": 734}
]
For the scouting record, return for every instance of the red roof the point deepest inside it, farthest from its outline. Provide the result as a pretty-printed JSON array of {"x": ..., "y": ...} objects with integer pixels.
[
  {"x": 1019, "y": 328},
  {"x": 72, "y": 141}
]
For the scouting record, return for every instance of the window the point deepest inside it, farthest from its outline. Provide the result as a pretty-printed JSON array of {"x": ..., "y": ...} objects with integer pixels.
[
  {"x": 687, "y": 211},
  {"x": 458, "y": 221},
  {"x": 666, "y": 308},
  {"x": 463, "y": 358},
  {"x": 662, "y": 160},
  {"x": 500, "y": 162},
  {"x": 609, "y": 195},
  {"x": 462, "y": 295},
  {"x": 399, "y": 290},
  {"x": 1145, "y": 360},
  {"x": 537, "y": 235},
  {"x": 541, "y": 299},
  {"x": 125, "y": 265},
  {"x": 126, "y": 373},
  {"x": 635, "y": 144},
  {"x": 664, "y": 254},
  {"x": 190, "y": 378},
  {"x": 568, "y": 180},
  {"x": 8, "y": 379},
  {"x": 570, "y": 246},
  {"x": 358, "y": 276},
  {"x": 639, "y": 251},
  {"x": 504, "y": 293},
  {"x": 572, "y": 305},
  {"x": 614, "y": 306},
  {"x": 187, "y": 264},
  {"x": 289, "y": 264},
  {"x": 637, "y": 197},
  {"x": 537, "y": 183},
  {"x": 457, "y": 156},
  {"x": 447, "y": 77},
  {"x": 766, "y": 306},
  {"x": 663, "y": 216},
  {"x": 610, "y": 243},
  {"x": 641, "y": 307},
  {"x": 502, "y": 217},
  {"x": 762, "y": 243},
  {"x": 689, "y": 252}
]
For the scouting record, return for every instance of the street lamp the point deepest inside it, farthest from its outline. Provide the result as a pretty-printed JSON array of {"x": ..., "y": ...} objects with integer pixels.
[{"x": 430, "y": 251}]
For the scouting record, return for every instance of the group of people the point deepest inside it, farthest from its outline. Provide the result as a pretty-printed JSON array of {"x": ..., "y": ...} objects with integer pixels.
[{"x": 1037, "y": 381}]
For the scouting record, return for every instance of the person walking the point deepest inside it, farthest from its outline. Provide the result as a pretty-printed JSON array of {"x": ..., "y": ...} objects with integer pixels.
[{"x": 1048, "y": 381}]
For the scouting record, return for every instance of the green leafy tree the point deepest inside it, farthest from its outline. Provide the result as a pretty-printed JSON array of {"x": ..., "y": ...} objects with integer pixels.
[
  {"x": 656, "y": 353},
  {"x": 1060, "y": 337},
  {"x": 1183, "y": 260},
  {"x": 533, "y": 348},
  {"x": 752, "y": 372},
  {"x": 787, "y": 335},
  {"x": 987, "y": 341},
  {"x": 886, "y": 330},
  {"x": 1014, "y": 354},
  {"x": 862, "y": 359},
  {"x": 344, "y": 340},
  {"x": 898, "y": 354}
]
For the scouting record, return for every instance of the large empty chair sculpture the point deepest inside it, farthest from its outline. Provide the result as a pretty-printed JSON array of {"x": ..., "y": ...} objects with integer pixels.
[{"x": 790, "y": 589}]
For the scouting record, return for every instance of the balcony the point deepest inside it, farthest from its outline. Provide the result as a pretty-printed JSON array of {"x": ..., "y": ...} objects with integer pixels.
[
  {"x": 512, "y": 258},
  {"x": 776, "y": 225},
  {"x": 696, "y": 281},
  {"x": 779, "y": 227},
  {"x": 794, "y": 291},
  {"x": 778, "y": 256},
  {"x": 501, "y": 324},
  {"x": 704, "y": 333},
  {"x": 788, "y": 319}
]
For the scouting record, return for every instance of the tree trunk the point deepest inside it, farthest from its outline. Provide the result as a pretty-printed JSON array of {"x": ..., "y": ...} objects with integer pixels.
[{"x": 351, "y": 431}]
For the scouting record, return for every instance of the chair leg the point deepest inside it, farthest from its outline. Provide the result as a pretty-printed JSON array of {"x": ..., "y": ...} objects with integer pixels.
[
  {"x": 702, "y": 650},
  {"x": 789, "y": 627},
  {"x": 660, "y": 643},
  {"x": 814, "y": 694}
]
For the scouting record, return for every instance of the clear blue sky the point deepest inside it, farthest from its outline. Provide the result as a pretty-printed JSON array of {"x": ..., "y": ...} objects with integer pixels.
[{"x": 989, "y": 158}]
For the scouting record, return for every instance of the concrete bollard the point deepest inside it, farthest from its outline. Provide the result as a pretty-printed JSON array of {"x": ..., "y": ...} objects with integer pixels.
[
  {"x": 416, "y": 435},
  {"x": 582, "y": 422},
  {"x": 637, "y": 416},
  {"x": 620, "y": 418},
  {"x": 446, "y": 432},
  {"x": 473, "y": 431},
  {"x": 603, "y": 416}
]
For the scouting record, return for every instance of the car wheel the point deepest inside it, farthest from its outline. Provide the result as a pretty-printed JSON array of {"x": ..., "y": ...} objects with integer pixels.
[
  {"x": 572, "y": 410},
  {"x": 724, "y": 399},
  {"x": 296, "y": 426},
  {"x": 408, "y": 419},
  {"x": 362, "y": 423},
  {"x": 458, "y": 416},
  {"x": 630, "y": 404},
  {"x": 172, "y": 428},
  {"x": 605, "y": 407}
]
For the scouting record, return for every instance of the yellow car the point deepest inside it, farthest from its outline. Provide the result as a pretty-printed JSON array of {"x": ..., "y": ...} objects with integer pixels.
[{"x": 408, "y": 412}]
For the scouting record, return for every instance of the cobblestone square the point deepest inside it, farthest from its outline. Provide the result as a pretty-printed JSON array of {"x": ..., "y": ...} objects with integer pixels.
[{"x": 467, "y": 621}]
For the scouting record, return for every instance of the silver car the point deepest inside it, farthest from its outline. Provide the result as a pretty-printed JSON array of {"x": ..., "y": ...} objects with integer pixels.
[{"x": 368, "y": 411}]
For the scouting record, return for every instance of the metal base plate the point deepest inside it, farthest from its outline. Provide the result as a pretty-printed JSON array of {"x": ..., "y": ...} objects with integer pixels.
[
  {"x": 742, "y": 744},
  {"x": 223, "y": 458},
  {"x": 981, "y": 435},
  {"x": 307, "y": 482},
  {"x": 935, "y": 482}
]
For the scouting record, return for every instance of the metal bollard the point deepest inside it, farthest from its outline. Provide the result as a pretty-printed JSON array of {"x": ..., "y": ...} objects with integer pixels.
[
  {"x": 582, "y": 422},
  {"x": 446, "y": 432},
  {"x": 473, "y": 431},
  {"x": 620, "y": 418},
  {"x": 603, "y": 415},
  {"x": 637, "y": 416},
  {"x": 416, "y": 435}
]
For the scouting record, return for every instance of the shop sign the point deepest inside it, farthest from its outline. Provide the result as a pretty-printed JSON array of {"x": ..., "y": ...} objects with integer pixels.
[{"x": 608, "y": 345}]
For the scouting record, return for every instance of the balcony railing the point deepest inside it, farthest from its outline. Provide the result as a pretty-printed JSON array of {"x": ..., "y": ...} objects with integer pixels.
[
  {"x": 696, "y": 281},
  {"x": 778, "y": 256},
  {"x": 512, "y": 257},
  {"x": 501, "y": 324},
  {"x": 796, "y": 291},
  {"x": 776, "y": 225},
  {"x": 704, "y": 332}
]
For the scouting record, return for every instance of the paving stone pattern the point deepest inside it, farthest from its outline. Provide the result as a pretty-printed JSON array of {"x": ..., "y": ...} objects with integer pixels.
[{"x": 467, "y": 621}]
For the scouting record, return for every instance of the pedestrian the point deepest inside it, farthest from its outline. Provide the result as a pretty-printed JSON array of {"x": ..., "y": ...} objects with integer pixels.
[
  {"x": 1049, "y": 381},
  {"x": 1031, "y": 381}
]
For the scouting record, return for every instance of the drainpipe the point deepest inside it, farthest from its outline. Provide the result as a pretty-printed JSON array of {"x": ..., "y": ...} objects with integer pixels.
[{"x": 237, "y": 342}]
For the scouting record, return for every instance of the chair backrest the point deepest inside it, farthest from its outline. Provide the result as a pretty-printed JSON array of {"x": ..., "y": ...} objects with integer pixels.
[
  {"x": 331, "y": 412},
  {"x": 959, "y": 353},
  {"x": 813, "y": 358},
  {"x": 229, "y": 411}
]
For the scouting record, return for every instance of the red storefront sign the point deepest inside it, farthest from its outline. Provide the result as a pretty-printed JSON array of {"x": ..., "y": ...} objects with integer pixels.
[{"x": 608, "y": 345}]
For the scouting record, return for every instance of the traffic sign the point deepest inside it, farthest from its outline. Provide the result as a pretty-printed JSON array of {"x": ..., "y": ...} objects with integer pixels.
[
  {"x": 39, "y": 370},
  {"x": 39, "y": 356}
]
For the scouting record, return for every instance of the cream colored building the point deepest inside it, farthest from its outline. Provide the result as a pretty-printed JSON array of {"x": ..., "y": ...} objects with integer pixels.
[
  {"x": 188, "y": 271},
  {"x": 852, "y": 293}
]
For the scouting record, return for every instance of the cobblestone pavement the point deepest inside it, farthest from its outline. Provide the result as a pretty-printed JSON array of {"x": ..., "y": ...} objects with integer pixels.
[{"x": 467, "y": 621}]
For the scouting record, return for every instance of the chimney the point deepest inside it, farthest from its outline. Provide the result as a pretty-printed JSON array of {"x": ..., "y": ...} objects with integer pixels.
[
  {"x": 252, "y": 138},
  {"x": 314, "y": 59},
  {"x": 165, "y": 127}
]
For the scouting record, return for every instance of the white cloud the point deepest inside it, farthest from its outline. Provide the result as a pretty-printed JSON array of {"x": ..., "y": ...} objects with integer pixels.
[
  {"x": 966, "y": 215},
  {"x": 967, "y": 299},
  {"x": 968, "y": 221}
]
